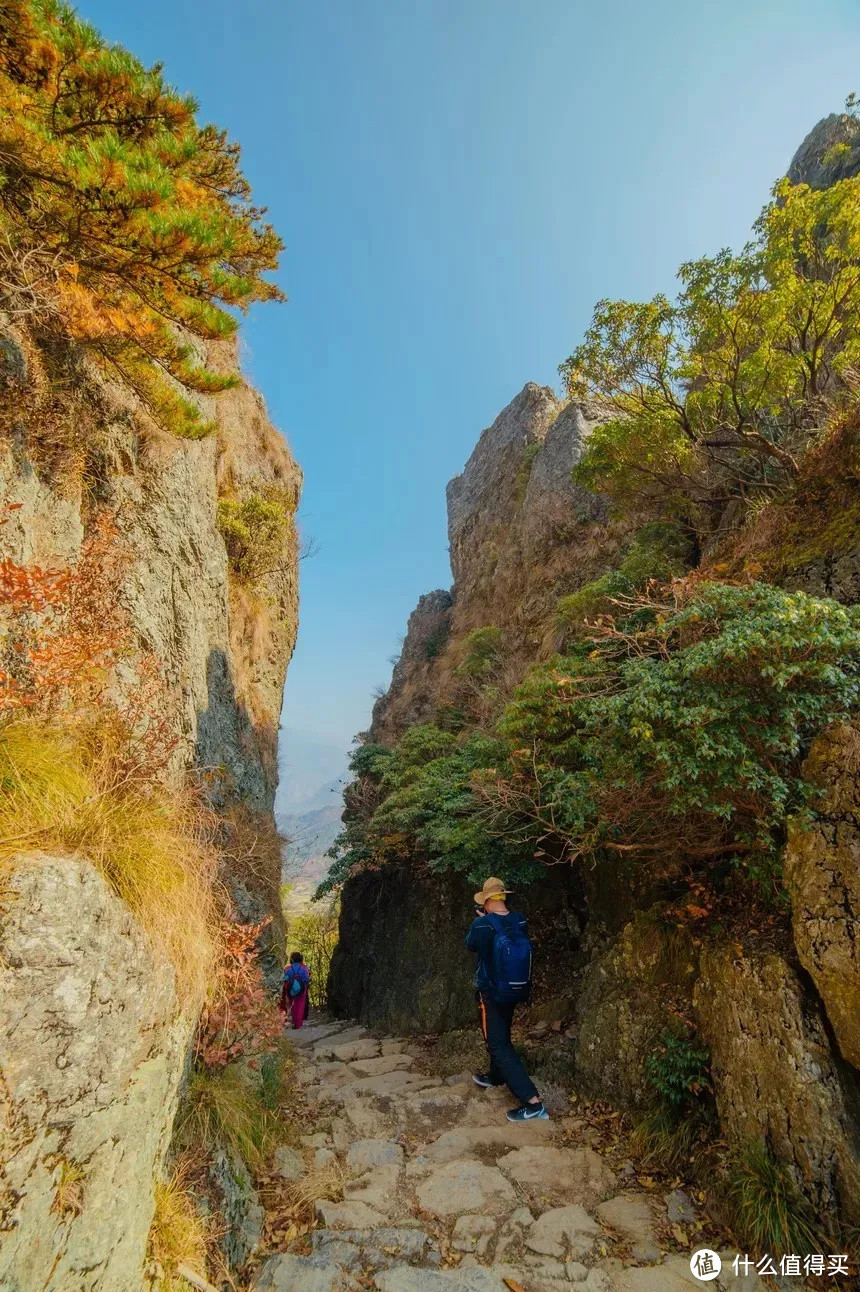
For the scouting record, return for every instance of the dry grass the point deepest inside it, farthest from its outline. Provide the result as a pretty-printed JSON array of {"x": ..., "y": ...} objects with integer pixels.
[
  {"x": 226, "y": 1108},
  {"x": 61, "y": 792},
  {"x": 69, "y": 1198},
  {"x": 178, "y": 1235},
  {"x": 326, "y": 1183}
]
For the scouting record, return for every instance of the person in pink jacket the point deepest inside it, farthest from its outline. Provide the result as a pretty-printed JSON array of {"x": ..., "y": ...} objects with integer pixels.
[{"x": 294, "y": 993}]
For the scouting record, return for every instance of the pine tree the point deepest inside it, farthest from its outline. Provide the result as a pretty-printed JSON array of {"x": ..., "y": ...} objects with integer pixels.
[{"x": 125, "y": 225}]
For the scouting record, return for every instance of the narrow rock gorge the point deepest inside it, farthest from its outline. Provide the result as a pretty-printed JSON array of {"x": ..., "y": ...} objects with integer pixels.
[{"x": 641, "y": 961}]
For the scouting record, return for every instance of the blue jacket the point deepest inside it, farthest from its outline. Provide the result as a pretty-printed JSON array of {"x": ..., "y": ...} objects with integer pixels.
[{"x": 480, "y": 940}]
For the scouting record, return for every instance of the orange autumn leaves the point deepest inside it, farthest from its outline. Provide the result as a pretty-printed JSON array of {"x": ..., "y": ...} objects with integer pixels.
[{"x": 61, "y": 626}]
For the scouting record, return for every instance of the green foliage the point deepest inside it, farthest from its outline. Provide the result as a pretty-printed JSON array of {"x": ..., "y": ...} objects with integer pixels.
[
  {"x": 714, "y": 395},
  {"x": 836, "y": 153},
  {"x": 314, "y": 932},
  {"x": 431, "y": 808},
  {"x": 126, "y": 225},
  {"x": 695, "y": 741},
  {"x": 680, "y": 731},
  {"x": 255, "y": 530},
  {"x": 666, "y": 1139},
  {"x": 434, "y": 644},
  {"x": 657, "y": 551},
  {"x": 678, "y": 1070},
  {"x": 276, "y": 1071},
  {"x": 483, "y": 649},
  {"x": 769, "y": 1212}
]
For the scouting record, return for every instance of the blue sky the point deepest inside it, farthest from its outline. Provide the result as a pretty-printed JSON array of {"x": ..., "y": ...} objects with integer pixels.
[{"x": 457, "y": 182}]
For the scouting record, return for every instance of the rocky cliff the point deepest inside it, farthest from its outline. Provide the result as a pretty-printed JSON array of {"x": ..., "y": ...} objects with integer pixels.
[
  {"x": 521, "y": 534},
  {"x": 94, "y": 1035},
  {"x": 634, "y": 956}
]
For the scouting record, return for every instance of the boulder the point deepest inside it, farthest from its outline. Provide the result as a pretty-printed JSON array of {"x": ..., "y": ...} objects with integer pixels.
[
  {"x": 572, "y": 1174},
  {"x": 366, "y": 1153},
  {"x": 774, "y": 1075},
  {"x": 563, "y": 1232},
  {"x": 459, "y": 1188},
  {"x": 822, "y": 870},
  {"x": 92, "y": 1046}
]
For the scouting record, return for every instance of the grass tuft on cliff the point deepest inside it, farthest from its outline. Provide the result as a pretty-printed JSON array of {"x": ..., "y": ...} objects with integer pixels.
[
  {"x": 178, "y": 1235},
  {"x": 62, "y": 791},
  {"x": 226, "y": 1109},
  {"x": 769, "y": 1212}
]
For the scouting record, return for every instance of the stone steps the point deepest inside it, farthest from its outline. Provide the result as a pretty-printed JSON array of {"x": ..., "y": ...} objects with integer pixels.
[{"x": 436, "y": 1174}]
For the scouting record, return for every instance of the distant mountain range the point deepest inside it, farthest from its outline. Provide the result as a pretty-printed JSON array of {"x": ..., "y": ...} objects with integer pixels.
[
  {"x": 308, "y": 808},
  {"x": 310, "y": 771}
]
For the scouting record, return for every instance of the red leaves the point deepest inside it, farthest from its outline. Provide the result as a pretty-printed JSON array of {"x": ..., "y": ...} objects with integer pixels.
[
  {"x": 241, "y": 1019},
  {"x": 63, "y": 626}
]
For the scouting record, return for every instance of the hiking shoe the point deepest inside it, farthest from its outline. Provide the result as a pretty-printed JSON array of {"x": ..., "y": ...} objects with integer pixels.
[
  {"x": 482, "y": 1079},
  {"x": 528, "y": 1113}
]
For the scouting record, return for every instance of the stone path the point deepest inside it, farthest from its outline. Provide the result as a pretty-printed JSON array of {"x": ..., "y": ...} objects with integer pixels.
[{"x": 443, "y": 1194}]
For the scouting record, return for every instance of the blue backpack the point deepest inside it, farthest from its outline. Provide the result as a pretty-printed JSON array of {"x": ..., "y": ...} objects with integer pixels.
[
  {"x": 298, "y": 978},
  {"x": 511, "y": 962}
]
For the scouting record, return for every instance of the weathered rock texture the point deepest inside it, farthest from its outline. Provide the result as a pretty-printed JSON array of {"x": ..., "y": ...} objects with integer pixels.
[
  {"x": 625, "y": 1003},
  {"x": 223, "y": 651},
  {"x": 822, "y": 867},
  {"x": 830, "y": 152},
  {"x": 775, "y": 1077},
  {"x": 521, "y": 534},
  {"x": 400, "y": 961},
  {"x": 92, "y": 1047}
]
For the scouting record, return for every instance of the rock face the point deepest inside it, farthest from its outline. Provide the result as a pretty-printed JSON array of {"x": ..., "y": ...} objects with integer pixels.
[
  {"x": 521, "y": 534},
  {"x": 774, "y": 1075},
  {"x": 91, "y": 1049},
  {"x": 822, "y": 869},
  {"x": 830, "y": 152},
  {"x": 92, "y": 1046},
  {"x": 223, "y": 659},
  {"x": 623, "y": 1008},
  {"x": 411, "y": 690},
  {"x": 400, "y": 961}
]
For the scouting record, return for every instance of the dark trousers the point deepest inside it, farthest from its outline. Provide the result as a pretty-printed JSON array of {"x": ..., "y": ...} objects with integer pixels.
[{"x": 506, "y": 1066}]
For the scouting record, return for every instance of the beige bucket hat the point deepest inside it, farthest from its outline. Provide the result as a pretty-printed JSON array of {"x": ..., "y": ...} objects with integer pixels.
[{"x": 493, "y": 890}]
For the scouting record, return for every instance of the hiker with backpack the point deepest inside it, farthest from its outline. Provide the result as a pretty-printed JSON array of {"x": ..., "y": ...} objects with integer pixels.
[
  {"x": 294, "y": 993},
  {"x": 503, "y": 973}
]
